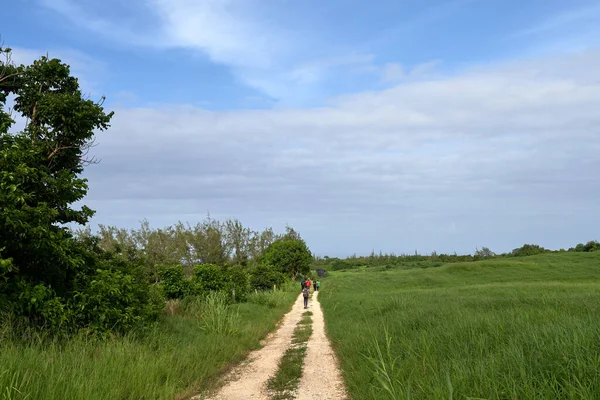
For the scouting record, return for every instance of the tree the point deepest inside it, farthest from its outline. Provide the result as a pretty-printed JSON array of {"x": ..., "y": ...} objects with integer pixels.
[
  {"x": 40, "y": 167},
  {"x": 238, "y": 238},
  {"x": 45, "y": 272},
  {"x": 291, "y": 256},
  {"x": 265, "y": 277},
  {"x": 528, "y": 250},
  {"x": 484, "y": 253}
]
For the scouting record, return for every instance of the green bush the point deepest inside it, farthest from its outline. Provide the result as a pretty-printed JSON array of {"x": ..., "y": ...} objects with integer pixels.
[
  {"x": 41, "y": 304},
  {"x": 528, "y": 250},
  {"x": 173, "y": 282},
  {"x": 238, "y": 280},
  {"x": 264, "y": 277},
  {"x": 592, "y": 245},
  {"x": 109, "y": 293},
  {"x": 112, "y": 300},
  {"x": 208, "y": 277}
]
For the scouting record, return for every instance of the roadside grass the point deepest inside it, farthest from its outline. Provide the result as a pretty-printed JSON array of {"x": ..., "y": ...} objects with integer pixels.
[
  {"x": 273, "y": 298},
  {"x": 507, "y": 328},
  {"x": 181, "y": 355},
  {"x": 284, "y": 384}
]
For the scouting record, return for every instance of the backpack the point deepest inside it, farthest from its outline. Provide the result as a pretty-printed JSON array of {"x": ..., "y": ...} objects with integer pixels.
[{"x": 305, "y": 292}]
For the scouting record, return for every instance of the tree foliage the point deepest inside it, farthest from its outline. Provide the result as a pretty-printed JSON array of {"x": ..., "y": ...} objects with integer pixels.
[
  {"x": 290, "y": 255},
  {"x": 265, "y": 277},
  {"x": 46, "y": 274},
  {"x": 592, "y": 245}
]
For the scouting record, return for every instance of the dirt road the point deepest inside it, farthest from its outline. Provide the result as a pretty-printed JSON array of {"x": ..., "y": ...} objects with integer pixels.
[{"x": 321, "y": 378}]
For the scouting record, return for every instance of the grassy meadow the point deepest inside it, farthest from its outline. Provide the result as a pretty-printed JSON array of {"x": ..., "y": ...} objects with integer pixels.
[
  {"x": 187, "y": 349},
  {"x": 506, "y": 328}
]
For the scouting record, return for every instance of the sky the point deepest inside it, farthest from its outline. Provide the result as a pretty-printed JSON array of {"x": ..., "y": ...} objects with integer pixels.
[{"x": 383, "y": 125}]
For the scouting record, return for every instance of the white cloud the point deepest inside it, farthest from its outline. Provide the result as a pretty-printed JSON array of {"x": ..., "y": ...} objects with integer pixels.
[
  {"x": 394, "y": 72},
  {"x": 571, "y": 31},
  {"x": 560, "y": 21},
  {"x": 224, "y": 29},
  {"x": 261, "y": 52},
  {"x": 495, "y": 156}
]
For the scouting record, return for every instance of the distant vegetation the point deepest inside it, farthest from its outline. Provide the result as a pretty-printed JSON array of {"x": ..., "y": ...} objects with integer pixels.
[{"x": 383, "y": 261}]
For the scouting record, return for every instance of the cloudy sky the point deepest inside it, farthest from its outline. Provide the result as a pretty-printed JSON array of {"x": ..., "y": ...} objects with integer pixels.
[{"x": 388, "y": 125}]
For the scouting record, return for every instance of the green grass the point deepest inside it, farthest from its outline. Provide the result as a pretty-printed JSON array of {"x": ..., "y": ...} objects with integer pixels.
[
  {"x": 181, "y": 355},
  {"x": 499, "y": 329},
  {"x": 285, "y": 382}
]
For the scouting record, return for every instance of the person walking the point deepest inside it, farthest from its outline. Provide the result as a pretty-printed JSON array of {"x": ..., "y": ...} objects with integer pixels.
[
  {"x": 308, "y": 283},
  {"x": 303, "y": 283},
  {"x": 305, "y": 293},
  {"x": 318, "y": 285}
]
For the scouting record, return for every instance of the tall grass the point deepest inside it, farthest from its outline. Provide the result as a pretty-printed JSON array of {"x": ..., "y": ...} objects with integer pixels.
[
  {"x": 523, "y": 328},
  {"x": 273, "y": 298},
  {"x": 14, "y": 385},
  {"x": 219, "y": 317},
  {"x": 181, "y": 355}
]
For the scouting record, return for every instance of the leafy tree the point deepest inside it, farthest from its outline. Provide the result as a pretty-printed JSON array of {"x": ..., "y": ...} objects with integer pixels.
[
  {"x": 484, "y": 252},
  {"x": 290, "y": 255},
  {"x": 209, "y": 277},
  {"x": 238, "y": 238},
  {"x": 528, "y": 250},
  {"x": 40, "y": 167},
  {"x": 46, "y": 274},
  {"x": 592, "y": 245},
  {"x": 173, "y": 281},
  {"x": 264, "y": 277}
]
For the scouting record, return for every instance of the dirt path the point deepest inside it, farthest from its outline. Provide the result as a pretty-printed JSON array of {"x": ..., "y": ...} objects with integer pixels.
[
  {"x": 321, "y": 378},
  {"x": 248, "y": 380}
]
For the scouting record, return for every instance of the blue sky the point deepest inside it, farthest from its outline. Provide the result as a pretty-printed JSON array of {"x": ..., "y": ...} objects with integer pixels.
[{"x": 386, "y": 125}]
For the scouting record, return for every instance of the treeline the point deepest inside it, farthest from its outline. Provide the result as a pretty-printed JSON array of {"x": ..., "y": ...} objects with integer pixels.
[
  {"x": 184, "y": 259},
  {"x": 208, "y": 242},
  {"x": 434, "y": 259}
]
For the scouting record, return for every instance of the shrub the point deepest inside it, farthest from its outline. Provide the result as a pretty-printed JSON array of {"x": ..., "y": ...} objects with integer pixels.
[
  {"x": 337, "y": 265},
  {"x": 528, "y": 250},
  {"x": 208, "y": 277},
  {"x": 173, "y": 282},
  {"x": 592, "y": 245},
  {"x": 111, "y": 300},
  {"x": 265, "y": 277},
  {"x": 238, "y": 280},
  {"x": 41, "y": 303}
]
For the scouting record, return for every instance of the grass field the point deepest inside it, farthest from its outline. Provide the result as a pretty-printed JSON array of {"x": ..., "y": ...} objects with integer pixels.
[
  {"x": 510, "y": 328},
  {"x": 181, "y": 355}
]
